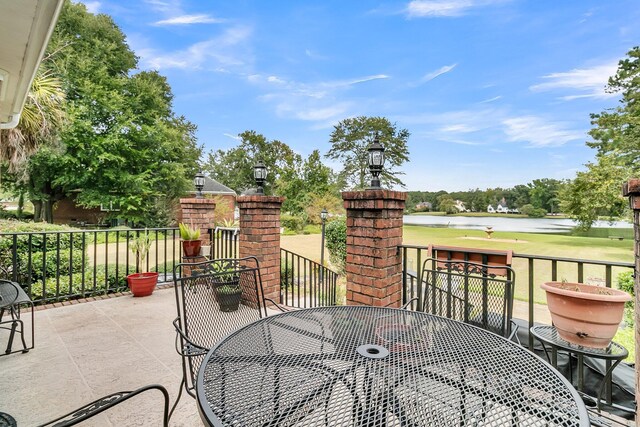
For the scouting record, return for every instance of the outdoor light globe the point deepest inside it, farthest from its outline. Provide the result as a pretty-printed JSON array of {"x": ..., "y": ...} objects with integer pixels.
[
  {"x": 376, "y": 161},
  {"x": 198, "y": 181},
  {"x": 260, "y": 175},
  {"x": 323, "y": 215}
]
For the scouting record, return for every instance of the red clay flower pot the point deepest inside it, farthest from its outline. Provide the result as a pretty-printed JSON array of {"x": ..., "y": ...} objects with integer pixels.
[
  {"x": 586, "y": 315},
  {"x": 191, "y": 248},
  {"x": 142, "y": 284}
]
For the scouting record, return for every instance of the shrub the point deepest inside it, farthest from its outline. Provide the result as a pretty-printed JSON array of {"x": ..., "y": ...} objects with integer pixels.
[
  {"x": 286, "y": 274},
  {"x": 625, "y": 283},
  {"x": 533, "y": 212},
  {"x": 104, "y": 283},
  {"x": 293, "y": 223},
  {"x": 336, "y": 239}
]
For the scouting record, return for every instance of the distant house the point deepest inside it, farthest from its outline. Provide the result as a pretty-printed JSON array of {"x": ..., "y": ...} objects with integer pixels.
[
  {"x": 502, "y": 206},
  {"x": 424, "y": 206},
  {"x": 66, "y": 211},
  {"x": 490, "y": 209},
  {"x": 460, "y": 206}
]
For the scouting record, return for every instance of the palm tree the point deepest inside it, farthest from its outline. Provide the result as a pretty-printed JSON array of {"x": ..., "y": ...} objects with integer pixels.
[{"x": 42, "y": 116}]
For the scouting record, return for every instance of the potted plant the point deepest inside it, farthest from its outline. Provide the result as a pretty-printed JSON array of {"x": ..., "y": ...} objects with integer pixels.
[
  {"x": 583, "y": 314},
  {"x": 190, "y": 239},
  {"x": 226, "y": 276},
  {"x": 228, "y": 297},
  {"x": 141, "y": 284}
]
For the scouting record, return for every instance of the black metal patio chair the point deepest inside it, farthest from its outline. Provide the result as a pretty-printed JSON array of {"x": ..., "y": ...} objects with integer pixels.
[
  {"x": 473, "y": 293},
  {"x": 12, "y": 299},
  {"x": 100, "y": 405},
  {"x": 213, "y": 299}
]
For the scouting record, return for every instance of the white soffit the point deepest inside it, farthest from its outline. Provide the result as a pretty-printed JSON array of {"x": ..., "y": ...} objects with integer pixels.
[{"x": 25, "y": 29}]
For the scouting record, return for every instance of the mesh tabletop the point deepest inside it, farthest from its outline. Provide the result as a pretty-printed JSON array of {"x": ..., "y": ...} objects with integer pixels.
[
  {"x": 549, "y": 334},
  {"x": 366, "y": 366}
]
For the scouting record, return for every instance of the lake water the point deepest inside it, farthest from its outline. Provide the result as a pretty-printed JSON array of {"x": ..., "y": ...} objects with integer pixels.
[{"x": 525, "y": 225}]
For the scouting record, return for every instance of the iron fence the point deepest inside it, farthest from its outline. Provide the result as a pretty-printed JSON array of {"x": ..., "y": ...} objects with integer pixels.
[
  {"x": 305, "y": 283},
  {"x": 530, "y": 272},
  {"x": 54, "y": 266}
]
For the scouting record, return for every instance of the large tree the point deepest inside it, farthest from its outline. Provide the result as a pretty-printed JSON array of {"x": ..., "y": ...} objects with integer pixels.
[
  {"x": 234, "y": 167},
  {"x": 122, "y": 145},
  {"x": 616, "y": 136},
  {"x": 350, "y": 140}
]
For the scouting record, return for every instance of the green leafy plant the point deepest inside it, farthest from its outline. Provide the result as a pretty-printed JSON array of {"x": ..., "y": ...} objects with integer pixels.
[
  {"x": 336, "y": 235},
  {"x": 140, "y": 247},
  {"x": 189, "y": 232},
  {"x": 228, "y": 289}
]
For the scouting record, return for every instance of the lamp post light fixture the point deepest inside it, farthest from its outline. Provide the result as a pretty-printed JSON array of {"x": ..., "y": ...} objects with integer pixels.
[
  {"x": 260, "y": 175},
  {"x": 376, "y": 162},
  {"x": 323, "y": 216},
  {"x": 198, "y": 181}
]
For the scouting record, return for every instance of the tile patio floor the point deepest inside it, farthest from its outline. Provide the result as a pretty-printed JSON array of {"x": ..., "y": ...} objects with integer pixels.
[{"x": 85, "y": 351}]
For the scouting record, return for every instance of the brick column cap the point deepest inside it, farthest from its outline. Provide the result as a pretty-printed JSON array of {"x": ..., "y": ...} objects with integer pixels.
[
  {"x": 193, "y": 200},
  {"x": 631, "y": 187},
  {"x": 256, "y": 198},
  {"x": 374, "y": 195}
]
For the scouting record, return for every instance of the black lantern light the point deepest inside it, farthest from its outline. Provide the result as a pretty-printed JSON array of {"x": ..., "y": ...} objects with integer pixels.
[
  {"x": 376, "y": 161},
  {"x": 198, "y": 181},
  {"x": 260, "y": 175},
  {"x": 323, "y": 215}
]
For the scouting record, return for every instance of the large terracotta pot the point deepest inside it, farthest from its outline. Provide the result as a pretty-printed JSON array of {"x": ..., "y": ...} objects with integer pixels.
[
  {"x": 585, "y": 314},
  {"x": 191, "y": 248},
  {"x": 142, "y": 284}
]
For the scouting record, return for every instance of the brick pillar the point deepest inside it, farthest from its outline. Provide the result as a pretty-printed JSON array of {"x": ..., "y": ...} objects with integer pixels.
[
  {"x": 200, "y": 213},
  {"x": 260, "y": 237},
  {"x": 374, "y": 231},
  {"x": 631, "y": 189}
]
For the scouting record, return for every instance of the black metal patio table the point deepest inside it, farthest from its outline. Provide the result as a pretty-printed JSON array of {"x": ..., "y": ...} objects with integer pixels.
[{"x": 367, "y": 366}]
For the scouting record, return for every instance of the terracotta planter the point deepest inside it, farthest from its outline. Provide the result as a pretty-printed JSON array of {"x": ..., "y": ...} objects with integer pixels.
[
  {"x": 585, "y": 314},
  {"x": 191, "y": 248},
  {"x": 142, "y": 284}
]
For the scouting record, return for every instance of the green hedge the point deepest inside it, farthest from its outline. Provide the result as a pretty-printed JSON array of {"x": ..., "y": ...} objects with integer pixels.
[
  {"x": 109, "y": 282},
  {"x": 336, "y": 238},
  {"x": 293, "y": 223},
  {"x": 625, "y": 283}
]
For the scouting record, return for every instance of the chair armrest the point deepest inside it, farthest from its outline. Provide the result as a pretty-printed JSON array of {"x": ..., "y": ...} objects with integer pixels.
[
  {"x": 278, "y": 306},
  {"x": 189, "y": 344},
  {"x": 514, "y": 332},
  {"x": 408, "y": 303}
]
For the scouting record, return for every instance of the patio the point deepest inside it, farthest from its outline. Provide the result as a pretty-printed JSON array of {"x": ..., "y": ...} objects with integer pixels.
[{"x": 85, "y": 351}]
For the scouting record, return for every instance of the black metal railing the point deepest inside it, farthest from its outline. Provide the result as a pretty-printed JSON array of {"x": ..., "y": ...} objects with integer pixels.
[
  {"x": 530, "y": 271},
  {"x": 305, "y": 283},
  {"x": 56, "y": 266},
  {"x": 224, "y": 242}
]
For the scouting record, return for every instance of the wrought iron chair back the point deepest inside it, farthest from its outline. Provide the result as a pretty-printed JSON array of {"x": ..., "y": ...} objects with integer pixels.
[
  {"x": 469, "y": 292},
  {"x": 97, "y": 406},
  {"x": 12, "y": 299},
  {"x": 205, "y": 292}
]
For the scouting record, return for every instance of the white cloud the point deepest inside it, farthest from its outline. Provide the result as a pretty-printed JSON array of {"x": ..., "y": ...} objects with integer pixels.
[
  {"x": 539, "y": 132},
  {"x": 228, "y": 135},
  {"x": 219, "y": 53},
  {"x": 486, "y": 101},
  {"x": 440, "y": 71},
  {"x": 190, "y": 19},
  {"x": 588, "y": 82},
  {"x": 92, "y": 6},
  {"x": 440, "y": 8}
]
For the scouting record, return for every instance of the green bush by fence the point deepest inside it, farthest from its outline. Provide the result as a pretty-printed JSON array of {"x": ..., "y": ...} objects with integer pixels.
[
  {"x": 74, "y": 286},
  {"x": 336, "y": 238}
]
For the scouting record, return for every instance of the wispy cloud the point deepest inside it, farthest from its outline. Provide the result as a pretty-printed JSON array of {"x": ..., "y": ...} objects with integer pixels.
[
  {"x": 486, "y": 101},
  {"x": 314, "y": 55},
  {"x": 228, "y": 135},
  {"x": 92, "y": 6},
  {"x": 539, "y": 132},
  {"x": 587, "y": 82},
  {"x": 218, "y": 54},
  {"x": 190, "y": 19},
  {"x": 444, "y": 8},
  {"x": 440, "y": 71}
]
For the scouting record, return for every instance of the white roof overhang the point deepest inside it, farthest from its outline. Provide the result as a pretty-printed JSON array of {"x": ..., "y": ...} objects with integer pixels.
[{"x": 25, "y": 29}]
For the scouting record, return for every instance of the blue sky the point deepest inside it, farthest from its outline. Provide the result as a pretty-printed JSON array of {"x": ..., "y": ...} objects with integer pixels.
[{"x": 494, "y": 92}]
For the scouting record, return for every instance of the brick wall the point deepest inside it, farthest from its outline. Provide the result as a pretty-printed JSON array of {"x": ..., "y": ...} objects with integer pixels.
[
  {"x": 260, "y": 237},
  {"x": 198, "y": 213},
  {"x": 374, "y": 231}
]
